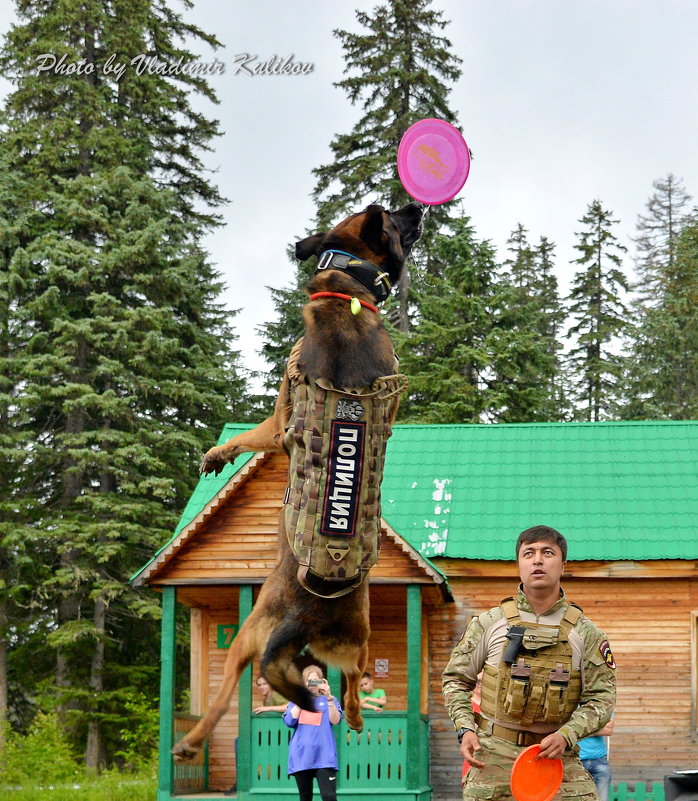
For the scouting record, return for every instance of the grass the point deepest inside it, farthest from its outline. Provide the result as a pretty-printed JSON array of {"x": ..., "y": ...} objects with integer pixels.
[{"x": 110, "y": 786}]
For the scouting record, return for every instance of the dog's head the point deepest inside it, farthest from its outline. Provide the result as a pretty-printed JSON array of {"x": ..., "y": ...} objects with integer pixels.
[{"x": 382, "y": 238}]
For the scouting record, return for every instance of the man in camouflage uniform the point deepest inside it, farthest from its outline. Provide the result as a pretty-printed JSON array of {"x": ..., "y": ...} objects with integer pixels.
[{"x": 548, "y": 677}]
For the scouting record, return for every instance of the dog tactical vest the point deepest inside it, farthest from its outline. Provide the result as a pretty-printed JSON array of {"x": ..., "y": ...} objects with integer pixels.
[
  {"x": 336, "y": 440},
  {"x": 540, "y": 686}
]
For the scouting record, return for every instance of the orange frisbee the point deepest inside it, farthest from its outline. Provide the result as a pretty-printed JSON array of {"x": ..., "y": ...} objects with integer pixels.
[{"x": 535, "y": 779}]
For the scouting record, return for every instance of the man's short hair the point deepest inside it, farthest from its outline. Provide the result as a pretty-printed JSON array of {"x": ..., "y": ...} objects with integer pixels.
[
  {"x": 542, "y": 534},
  {"x": 366, "y": 676}
]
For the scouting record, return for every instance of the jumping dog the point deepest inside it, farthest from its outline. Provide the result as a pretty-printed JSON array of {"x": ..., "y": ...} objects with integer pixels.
[{"x": 345, "y": 344}]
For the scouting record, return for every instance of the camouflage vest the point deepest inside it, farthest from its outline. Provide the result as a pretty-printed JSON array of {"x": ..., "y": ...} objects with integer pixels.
[
  {"x": 336, "y": 440},
  {"x": 540, "y": 686}
]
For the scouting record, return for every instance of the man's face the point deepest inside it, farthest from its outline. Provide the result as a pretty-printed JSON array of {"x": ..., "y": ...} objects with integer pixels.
[
  {"x": 540, "y": 565},
  {"x": 366, "y": 685}
]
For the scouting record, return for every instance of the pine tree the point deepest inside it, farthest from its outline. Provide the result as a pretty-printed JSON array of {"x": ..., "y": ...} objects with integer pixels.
[
  {"x": 399, "y": 68},
  {"x": 597, "y": 305},
  {"x": 128, "y": 361},
  {"x": 447, "y": 354}
]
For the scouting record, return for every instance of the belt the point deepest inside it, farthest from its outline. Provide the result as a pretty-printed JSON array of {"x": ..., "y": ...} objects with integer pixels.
[{"x": 517, "y": 736}]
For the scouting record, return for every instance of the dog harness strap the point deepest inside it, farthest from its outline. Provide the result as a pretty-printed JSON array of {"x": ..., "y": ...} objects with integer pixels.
[
  {"x": 365, "y": 272},
  {"x": 318, "y": 295},
  {"x": 336, "y": 442}
]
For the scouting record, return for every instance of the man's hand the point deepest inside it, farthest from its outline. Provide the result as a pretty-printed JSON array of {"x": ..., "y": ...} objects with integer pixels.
[
  {"x": 552, "y": 746},
  {"x": 324, "y": 688},
  {"x": 469, "y": 745}
]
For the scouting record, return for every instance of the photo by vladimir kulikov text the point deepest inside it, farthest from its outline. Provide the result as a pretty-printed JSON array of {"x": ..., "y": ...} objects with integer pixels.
[{"x": 243, "y": 64}]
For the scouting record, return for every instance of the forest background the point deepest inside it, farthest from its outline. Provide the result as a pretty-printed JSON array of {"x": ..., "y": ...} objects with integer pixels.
[{"x": 120, "y": 348}]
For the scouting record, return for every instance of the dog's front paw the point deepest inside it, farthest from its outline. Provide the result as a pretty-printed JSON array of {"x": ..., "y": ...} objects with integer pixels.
[
  {"x": 183, "y": 752},
  {"x": 213, "y": 461},
  {"x": 217, "y": 458}
]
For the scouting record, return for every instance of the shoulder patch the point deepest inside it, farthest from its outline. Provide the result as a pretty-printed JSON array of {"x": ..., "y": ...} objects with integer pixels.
[
  {"x": 607, "y": 654},
  {"x": 490, "y": 616}
]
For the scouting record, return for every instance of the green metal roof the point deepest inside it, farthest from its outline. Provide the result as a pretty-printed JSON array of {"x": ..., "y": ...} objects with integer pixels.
[
  {"x": 617, "y": 491},
  {"x": 209, "y": 486}
]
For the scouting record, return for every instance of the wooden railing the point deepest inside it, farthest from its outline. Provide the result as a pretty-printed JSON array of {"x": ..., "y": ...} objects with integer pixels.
[
  {"x": 373, "y": 762},
  {"x": 640, "y": 792},
  {"x": 190, "y": 777}
]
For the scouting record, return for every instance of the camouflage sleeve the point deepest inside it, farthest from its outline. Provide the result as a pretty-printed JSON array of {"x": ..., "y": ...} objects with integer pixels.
[
  {"x": 460, "y": 676},
  {"x": 598, "y": 697}
]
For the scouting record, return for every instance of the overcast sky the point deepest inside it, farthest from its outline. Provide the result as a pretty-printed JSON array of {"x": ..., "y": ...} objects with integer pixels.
[{"x": 561, "y": 102}]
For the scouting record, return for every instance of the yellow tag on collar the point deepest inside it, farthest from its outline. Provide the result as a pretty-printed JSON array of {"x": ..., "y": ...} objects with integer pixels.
[{"x": 355, "y": 305}]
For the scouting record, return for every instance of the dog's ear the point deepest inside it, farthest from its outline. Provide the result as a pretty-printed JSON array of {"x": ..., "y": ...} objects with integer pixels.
[
  {"x": 372, "y": 228},
  {"x": 310, "y": 246}
]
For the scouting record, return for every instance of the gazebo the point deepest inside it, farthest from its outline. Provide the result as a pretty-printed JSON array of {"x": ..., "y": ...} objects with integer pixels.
[{"x": 222, "y": 550}]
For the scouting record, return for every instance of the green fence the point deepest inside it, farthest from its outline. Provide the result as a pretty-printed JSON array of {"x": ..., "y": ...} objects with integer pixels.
[
  {"x": 640, "y": 792},
  {"x": 371, "y": 764},
  {"x": 189, "y": 777}
]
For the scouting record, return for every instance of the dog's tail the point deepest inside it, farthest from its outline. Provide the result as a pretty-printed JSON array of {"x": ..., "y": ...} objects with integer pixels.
[{"x": 277, "y": 663}]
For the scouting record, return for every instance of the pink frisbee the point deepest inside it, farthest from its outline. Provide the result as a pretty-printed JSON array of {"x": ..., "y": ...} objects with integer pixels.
[{"x": 433, "y": 161}]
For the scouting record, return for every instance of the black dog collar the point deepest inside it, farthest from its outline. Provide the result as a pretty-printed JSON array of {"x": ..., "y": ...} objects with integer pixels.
[{"x": 366, "y": 273}]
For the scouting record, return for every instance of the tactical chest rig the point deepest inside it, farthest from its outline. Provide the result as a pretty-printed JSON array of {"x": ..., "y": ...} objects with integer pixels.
[
  {"x": 336, "y": 440},
  {"x": 534, "y": 681}
]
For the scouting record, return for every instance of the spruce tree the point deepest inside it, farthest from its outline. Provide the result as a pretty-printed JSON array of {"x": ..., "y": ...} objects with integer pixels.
[
  {"x": 281, "y": 335},
  {"x": 663, "y": 374},
  {"x": 399, "y": 68},
  {"x": 447, "y": 354},
  {"x": 13, "y": 435},
  {"x": 551, "y": 322},
  {"x": 525, "y": 354},
  {"x": 597, "y": 306},
  {"x": 128, "y": 365},
  {"x": 668, "y": 210}
]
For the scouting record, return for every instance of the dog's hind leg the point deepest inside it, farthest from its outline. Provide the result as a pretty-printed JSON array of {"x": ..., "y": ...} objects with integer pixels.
[
  {"x": 285, "y": 642},
  {"x": 248, "y": 642},
  {"x": 353, "y": 673},
  {"x": 352, "y": 660}
]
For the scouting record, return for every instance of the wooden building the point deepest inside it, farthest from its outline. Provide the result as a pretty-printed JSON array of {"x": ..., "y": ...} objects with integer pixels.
[{"x": 454, "y": 499}]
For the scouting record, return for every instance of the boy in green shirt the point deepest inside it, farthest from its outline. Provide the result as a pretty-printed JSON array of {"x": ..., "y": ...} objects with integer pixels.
[{"x": 369, "y": 698}]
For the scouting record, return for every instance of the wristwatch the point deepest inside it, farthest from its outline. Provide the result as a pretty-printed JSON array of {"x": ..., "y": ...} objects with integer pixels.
[{"x": 461, "y": 732}]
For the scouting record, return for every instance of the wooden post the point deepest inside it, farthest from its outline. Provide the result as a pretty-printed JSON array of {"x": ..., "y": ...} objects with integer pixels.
[
  {"x": 414, "y": 665},
  {"x": 167, "y": 675},
  {"x": 334, "y": 679},
  {"x": 244, "y": 706}
]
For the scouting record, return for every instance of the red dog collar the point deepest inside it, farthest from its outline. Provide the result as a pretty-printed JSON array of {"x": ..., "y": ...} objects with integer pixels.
[{"x": 341, "y": 295}]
